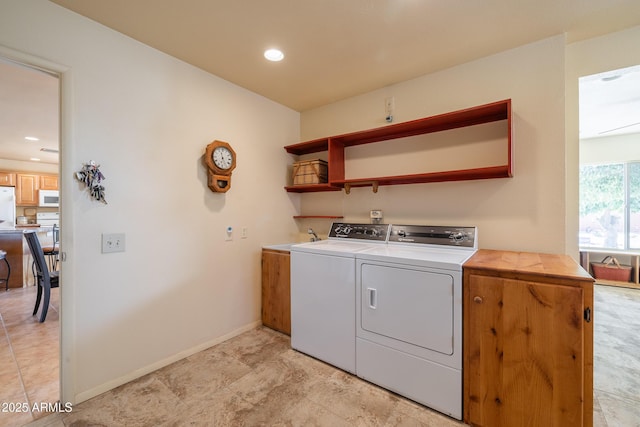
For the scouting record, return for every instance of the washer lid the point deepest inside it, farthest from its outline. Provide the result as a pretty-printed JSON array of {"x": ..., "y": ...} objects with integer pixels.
[{"x": 334, "y": 247}]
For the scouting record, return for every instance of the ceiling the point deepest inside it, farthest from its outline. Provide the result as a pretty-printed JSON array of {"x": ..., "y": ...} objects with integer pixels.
[
  {"x": 29, "y": 107},
  {"x": 334, "y": 49},
  {"x": 610, "y": 103}
]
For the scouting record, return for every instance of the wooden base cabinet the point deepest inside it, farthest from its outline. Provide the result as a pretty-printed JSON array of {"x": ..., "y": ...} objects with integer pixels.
[
  {"x": 528, "y": 340},
  {"x": 276, "y": 290}
]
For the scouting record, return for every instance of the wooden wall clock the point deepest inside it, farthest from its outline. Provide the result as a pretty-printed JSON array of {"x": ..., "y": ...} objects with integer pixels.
[{"x": 221, "y": 161}]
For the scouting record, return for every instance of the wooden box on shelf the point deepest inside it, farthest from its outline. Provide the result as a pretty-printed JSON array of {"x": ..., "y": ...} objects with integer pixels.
[{"x": 310, "y": 172}]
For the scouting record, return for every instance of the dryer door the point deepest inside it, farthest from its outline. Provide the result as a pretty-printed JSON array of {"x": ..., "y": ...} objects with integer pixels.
[{"x": 409, "y": 305}]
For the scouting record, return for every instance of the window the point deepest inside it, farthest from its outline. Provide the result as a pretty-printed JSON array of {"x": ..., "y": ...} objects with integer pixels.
[{"x": 610, "y": 206}]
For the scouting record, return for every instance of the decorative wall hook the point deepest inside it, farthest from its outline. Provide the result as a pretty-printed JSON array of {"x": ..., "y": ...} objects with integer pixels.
[{"x": 91, "y": 176}]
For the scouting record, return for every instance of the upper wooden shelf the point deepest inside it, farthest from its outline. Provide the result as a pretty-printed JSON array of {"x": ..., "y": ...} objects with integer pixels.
[
  {"x": 335, "y": 146},
  {"x": 315, "y": 146}
]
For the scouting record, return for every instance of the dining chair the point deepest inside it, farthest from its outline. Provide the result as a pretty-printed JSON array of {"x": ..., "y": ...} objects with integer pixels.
[
  {"x": 51, "y": 252},
  {"x": 45, "y": 279}
]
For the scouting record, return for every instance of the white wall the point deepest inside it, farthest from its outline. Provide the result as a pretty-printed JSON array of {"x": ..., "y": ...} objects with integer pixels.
[
  {"x": 610, "y": 149},
  {"x": 525, "y": 212},
  {"x": 146, "y": 118},
  {"x": 597, "y": 55}
]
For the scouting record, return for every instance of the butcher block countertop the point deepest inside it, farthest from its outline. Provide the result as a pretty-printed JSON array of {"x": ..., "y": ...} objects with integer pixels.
[{"x": 527, "y": 265}]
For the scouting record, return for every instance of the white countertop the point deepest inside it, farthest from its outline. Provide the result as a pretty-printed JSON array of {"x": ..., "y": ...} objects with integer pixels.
[
  {"x": 22, "y": 229},
  {"x": 280, "y": 247}
]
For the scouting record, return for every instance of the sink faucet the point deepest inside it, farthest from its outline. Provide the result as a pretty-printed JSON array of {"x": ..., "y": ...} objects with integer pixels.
[{"x": 314, "y": 236}]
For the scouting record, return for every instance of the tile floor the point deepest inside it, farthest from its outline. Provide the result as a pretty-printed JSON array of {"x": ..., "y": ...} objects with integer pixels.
[
  {"x": 29, "y": 354},
  {"x": 616, "y": 357},
  {"x": 258, "y": 380}
]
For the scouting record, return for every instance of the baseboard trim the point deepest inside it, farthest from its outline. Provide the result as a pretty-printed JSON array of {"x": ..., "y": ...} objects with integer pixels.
[{"x": 110, "y": 385}]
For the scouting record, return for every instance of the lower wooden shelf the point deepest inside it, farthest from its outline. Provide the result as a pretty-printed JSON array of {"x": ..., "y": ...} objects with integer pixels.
[
  {"x": 422, "y": 178},
  {"x": 311, "y": 188},
  {"x": 317, "y": 216},
  {"x": 617, "y": 283}
]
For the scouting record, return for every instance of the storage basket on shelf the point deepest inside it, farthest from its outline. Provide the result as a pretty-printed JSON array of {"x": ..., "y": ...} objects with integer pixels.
[
  {"x": 611, "y": 269},
  {"x": 309, "y": 172}
]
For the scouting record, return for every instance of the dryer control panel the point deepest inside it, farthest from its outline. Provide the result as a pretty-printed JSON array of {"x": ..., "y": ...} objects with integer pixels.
[
  {"x": 434, "y": 235},
  {"x": 370, "y": 232}
]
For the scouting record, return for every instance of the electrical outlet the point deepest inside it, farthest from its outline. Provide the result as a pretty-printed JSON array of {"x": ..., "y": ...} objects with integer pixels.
[
  {"x": 113, "y": 242},
  {"x": 245, "y": 233},
  {"x": 376, "y": 214}
]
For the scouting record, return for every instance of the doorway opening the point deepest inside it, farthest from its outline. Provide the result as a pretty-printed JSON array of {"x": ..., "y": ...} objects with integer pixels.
[
  {"x": 610, "y": 160},
  {"x": 610, "y": 228},
  {"x": 30, "y": 120}
]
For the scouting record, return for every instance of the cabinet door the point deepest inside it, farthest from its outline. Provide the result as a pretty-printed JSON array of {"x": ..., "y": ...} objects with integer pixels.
[
  {"x": 48, "y": 182},
  {"x": 276, "y": 290},
  {"x": 27, "y": 190},
  {"x": 7, "y": 179},
  {"x": 526, "y": 353}
]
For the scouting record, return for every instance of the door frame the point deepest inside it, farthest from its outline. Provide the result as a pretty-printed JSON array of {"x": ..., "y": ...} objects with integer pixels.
[{"x": 67, "y": 320}]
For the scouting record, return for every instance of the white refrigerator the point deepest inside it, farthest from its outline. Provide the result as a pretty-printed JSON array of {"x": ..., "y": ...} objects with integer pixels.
[{"x": 7, "y": 207}]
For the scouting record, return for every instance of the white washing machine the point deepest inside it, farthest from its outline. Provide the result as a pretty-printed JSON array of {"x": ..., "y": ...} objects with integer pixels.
[
  {"x": 409, "y": 314},
  {"x": 323, "y": 292}
]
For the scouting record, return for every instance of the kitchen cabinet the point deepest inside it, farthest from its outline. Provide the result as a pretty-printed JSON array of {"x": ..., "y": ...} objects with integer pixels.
[
  {"x": 276, "y": 289},
  {"x": 335, "y": 148},
  {"x": 8, "y": 179},
  {"x": 528, "y": 340},
  {"x": 48, "y": 182},
  {"x": 27, "y": 186}
]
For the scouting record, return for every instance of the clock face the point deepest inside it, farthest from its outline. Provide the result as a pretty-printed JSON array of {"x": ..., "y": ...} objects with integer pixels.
[{"x": 222, "y": 157}]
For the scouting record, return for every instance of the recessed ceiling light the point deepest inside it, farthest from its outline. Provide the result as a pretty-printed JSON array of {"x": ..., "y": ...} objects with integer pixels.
[
  {"x": 274, "y": 55},
  {"x": 31, "y": 138},
  {"x": 35, "y": 159}
]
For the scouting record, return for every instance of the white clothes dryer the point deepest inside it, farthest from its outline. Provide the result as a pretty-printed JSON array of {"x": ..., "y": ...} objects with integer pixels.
[{"x": 409, "y": 314}]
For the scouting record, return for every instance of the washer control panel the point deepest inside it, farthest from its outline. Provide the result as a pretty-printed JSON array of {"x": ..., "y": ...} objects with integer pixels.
[
  {"x": 375, "y": 232},
  {"x": 434, "y": 235}
]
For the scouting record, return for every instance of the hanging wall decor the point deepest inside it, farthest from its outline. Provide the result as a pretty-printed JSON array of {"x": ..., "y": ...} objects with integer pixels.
[
  {"x": 221, "y": 161},
  {"x": 91, "y": 176}
]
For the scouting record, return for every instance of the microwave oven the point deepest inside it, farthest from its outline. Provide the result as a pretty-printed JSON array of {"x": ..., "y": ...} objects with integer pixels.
[{"x": 48, "y": 198}]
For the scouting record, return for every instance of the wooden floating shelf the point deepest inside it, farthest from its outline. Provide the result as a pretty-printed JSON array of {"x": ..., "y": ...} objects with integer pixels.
[
  {"x": 335, "y": 147},
  {"x": 459, "y": 175},
  {"x": 318, "y": 216},
  {"x": 311, "y": 188}
]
